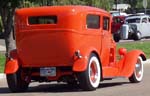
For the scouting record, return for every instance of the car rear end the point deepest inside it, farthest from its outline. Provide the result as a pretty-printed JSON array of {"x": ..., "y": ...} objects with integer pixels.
[{"x": 45, "y": 39}]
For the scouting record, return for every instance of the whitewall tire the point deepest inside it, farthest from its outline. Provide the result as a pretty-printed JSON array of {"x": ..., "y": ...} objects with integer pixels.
[{"x": 90, "y": 79}]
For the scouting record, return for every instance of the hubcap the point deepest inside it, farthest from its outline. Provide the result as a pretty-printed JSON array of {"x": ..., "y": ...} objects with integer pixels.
[
  {"x": 138, "y": 34},
  {"x": 93, "y": 72},
  {"x": 139, "y": 69}
]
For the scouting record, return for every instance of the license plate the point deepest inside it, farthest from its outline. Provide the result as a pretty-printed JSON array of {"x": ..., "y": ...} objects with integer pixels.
[{"x": 48, "y": 71}]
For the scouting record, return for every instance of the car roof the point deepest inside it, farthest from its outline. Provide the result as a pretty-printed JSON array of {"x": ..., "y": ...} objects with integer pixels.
[
  {"x": 57, "y": 10},
  {"x": 136, "y": 16}
]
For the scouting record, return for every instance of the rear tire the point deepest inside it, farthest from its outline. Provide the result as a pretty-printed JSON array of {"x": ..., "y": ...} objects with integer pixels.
[
  {"x": 89, "y": 79},
  {"x": 15, "y": 82},
  {"x": 137, "y": 75}
]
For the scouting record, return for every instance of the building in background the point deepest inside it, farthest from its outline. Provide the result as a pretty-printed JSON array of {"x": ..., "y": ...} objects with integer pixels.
[{"x": 121, "y": 7}]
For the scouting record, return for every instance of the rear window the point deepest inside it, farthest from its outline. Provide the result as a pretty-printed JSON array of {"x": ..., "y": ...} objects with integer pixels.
[{"x": 42, "y": 20}]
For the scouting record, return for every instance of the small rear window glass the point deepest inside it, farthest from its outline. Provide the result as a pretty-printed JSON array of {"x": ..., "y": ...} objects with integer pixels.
[{"x": 42, "y": 20}]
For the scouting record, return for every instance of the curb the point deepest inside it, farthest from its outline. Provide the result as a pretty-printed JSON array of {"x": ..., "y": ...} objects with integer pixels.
[{"x": 2, "y": 75}]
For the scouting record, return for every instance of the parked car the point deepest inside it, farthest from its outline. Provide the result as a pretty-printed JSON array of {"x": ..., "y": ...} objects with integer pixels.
[
  {"x": 136, "y": 27},
  {"x": 118, "y": 13},
  {"x": 70, "y": 44},
  {"x": 117, "y": 22}
]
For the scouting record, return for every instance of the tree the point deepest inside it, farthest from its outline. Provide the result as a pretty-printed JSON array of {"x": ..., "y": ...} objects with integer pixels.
[
  {"x": 140, "y": 4},
  {"x": 7, "y": 9}
]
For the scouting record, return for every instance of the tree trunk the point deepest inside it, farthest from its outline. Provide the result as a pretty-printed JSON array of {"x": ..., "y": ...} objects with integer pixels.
[
  {"x": 7, "y": 19},
  {"x": 9, "y": 40}
]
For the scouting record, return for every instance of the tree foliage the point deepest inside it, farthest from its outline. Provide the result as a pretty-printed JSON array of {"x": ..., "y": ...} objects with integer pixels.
[
  {"x": 135, "y": 3},
  {"x": 104, "y": 4}
]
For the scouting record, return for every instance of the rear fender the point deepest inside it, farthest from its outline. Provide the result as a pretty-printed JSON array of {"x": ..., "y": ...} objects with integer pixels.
[
  {"x": 80, "y": 64},
  {"x": 129, "y": 61},
  {"x": 12, "y": 64}
]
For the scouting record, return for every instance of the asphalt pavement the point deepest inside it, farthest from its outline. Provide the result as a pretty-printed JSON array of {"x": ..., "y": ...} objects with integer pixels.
[{"x": 115, "y": 87}]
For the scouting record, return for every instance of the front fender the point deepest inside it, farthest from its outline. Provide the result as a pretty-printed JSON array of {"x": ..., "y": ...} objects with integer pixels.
[
  {"x": 12, "y": 64},
  {"x": 129, "y": 61}
]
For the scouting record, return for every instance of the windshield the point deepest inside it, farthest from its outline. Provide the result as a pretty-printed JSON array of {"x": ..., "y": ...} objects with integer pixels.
[
  {"x": 115, "y": 13},
  {"x": 134, "y": 20}
]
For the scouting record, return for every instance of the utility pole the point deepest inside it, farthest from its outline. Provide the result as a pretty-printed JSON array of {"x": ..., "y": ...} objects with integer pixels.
[
  {"x": 116, "y": 2},
  {"x": 145, "y": 5}
]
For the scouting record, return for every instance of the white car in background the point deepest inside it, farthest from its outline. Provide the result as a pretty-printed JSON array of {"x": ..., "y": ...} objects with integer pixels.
[
  {"x": 136, "y": 27},
  {"x": 118, "y": 13}
]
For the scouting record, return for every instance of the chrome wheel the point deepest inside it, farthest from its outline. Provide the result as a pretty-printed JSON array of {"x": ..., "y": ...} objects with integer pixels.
[
  {"x": 137, "y": 75},
  {"x": 94, "y": 72},
  {"x": 139, "y": 69},
  {"x": 137, "y": 36},
  {"x": 90, "y": 78}
]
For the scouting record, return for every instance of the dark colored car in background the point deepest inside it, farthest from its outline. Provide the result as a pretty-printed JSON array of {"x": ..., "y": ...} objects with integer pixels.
[{"x": 117, "y": 22}]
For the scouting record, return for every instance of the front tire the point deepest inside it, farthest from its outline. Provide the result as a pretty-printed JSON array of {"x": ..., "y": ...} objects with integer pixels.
[
  {"x": 15, "y": 82},
  {"x": 137, "y": 75},
  {"x": 137, "y": 36},
  {"x": 89, "y": 79},
  {"x": 116, "y": 37}
]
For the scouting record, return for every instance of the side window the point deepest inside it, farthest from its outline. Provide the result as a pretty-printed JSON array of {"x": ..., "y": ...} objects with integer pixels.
[
  {"x": 106, "y": 23},
  {"x": 93, "y": 21},
  {"x": 144, "y": 20}
]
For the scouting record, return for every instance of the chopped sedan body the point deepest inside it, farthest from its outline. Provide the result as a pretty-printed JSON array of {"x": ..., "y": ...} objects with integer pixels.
[{"x": 70, "y": 44}]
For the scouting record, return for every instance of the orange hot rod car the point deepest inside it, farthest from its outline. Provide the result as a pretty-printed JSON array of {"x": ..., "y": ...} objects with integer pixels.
[{"x": 72, "y": 44}]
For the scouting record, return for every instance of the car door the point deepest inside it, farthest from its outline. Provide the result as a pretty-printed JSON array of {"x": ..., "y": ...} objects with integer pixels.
[
  {"x": 106, "y": 40},
  {"x": 148, "y": 24},
  {"x": 110, "y": 68},
  {"x": 144, "y": 27}
]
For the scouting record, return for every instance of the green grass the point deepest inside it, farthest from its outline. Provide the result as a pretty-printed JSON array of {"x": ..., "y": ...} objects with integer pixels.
[
  {"x": 144, "y": 46},
  {"x": 2, "y": 63}
]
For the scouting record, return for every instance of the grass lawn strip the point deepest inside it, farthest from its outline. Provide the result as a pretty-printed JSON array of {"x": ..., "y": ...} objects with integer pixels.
[
  {"x": 144, "y": 46},
  {"x": 2, "y": 62}
]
